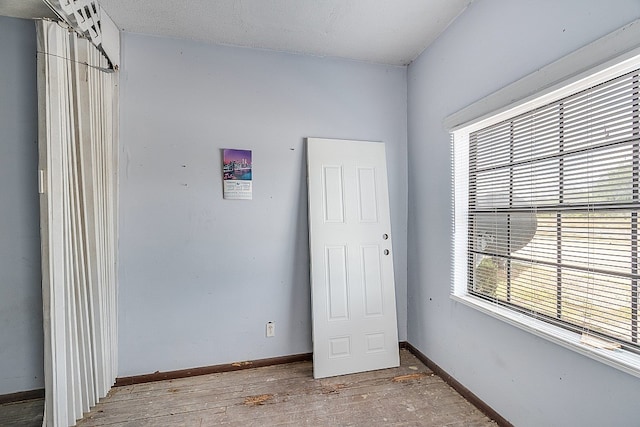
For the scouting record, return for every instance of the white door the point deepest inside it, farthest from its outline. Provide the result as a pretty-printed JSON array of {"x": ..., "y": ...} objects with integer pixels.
[{"x": 352, "y": 284}]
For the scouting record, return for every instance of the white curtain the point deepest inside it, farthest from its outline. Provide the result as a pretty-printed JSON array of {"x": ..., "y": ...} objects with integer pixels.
[{"x": 78, "y": 214}]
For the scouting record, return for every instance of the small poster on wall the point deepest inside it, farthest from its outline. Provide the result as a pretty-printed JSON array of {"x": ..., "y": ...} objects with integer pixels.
[{"x": 236, "y": 174}]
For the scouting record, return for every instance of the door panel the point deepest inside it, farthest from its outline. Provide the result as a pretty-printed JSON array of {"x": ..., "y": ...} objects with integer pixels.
[
  {"x": 332, "y": 192},
  {"x": 372, "y": 280},
  {"x": 368, "y": 201},
  {"x": 353, "y": 290},
  {"x": 336, "y": 277}
]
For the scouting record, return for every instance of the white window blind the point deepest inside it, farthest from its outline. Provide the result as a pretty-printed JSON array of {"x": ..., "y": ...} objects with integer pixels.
[
  {"x": 552, "y": 210},
  {"x": 78, "y": 157}
]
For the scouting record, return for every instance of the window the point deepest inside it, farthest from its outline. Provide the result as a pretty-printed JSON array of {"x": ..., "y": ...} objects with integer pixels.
[
  {"x": 547, "y": 206},
  {"x": 553, "y": 211}
]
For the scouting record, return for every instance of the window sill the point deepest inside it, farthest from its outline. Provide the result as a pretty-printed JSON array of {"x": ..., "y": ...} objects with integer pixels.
[{"x": 620, "y": 359}]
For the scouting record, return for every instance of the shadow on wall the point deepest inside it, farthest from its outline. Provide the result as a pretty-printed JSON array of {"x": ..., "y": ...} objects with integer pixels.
[{"x": 301, "y": 289}]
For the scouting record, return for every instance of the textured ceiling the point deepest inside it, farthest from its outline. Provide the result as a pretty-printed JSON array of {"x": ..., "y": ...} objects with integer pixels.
[
  {"x": 382, "y": 31},
  {"x": 28, "y": 9}
]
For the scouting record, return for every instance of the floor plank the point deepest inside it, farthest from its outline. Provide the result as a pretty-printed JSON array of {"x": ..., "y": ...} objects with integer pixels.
[
  {"x": 287, "y": 395},
  {"x": 27, "y": 413}
]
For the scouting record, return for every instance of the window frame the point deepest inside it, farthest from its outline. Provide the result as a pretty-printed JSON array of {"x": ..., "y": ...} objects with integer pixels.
[{"x": 614, "y": 54}]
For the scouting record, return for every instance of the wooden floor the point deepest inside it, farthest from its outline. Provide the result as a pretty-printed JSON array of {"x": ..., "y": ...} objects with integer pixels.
[
  {"x": 27, "y": 413},
  {"x": 281, "y": 395},
  {"x": 287, "y": 395}
]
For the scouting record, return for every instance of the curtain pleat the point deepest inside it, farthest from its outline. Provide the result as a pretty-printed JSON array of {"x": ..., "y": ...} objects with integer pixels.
[{"x": 78, "y": 157}]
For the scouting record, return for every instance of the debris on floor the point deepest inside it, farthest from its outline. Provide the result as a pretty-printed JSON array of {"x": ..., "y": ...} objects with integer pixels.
[
  {"x": 332, "y": 388},
  {"x": 257, "y": 400},
  {"x": 408, "y": 377}
]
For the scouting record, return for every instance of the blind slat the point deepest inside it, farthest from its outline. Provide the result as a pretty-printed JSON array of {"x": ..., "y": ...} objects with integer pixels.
[{"x": 553, "y": 208}]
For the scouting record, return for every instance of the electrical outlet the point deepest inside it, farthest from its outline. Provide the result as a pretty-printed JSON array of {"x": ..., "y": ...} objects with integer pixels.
[{"x": 271, "y": 329}]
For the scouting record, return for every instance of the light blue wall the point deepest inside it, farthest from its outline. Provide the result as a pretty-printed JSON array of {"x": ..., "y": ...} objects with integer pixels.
[
  {"x": 530, "y": 381},
  {"x": 200, "y": 276},
  {"x": 21, "y": 341}
]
